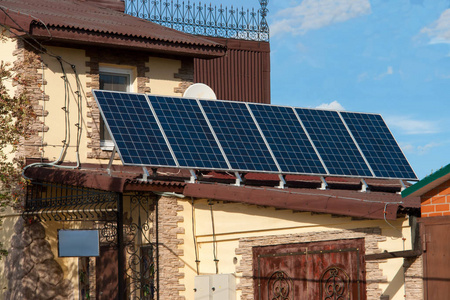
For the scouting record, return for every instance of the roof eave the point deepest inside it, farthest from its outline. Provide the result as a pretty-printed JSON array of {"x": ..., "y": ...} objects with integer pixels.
[
  {"x": 308, "y": 201},
  {"x": 428, "y": 183},
  {"x": 129, "y": 42}
]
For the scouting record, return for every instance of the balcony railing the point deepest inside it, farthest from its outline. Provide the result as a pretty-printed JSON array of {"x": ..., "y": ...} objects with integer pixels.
[{"x": 203, "y": 19}]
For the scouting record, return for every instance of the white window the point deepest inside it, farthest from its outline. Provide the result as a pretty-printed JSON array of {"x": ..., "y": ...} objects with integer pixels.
[{"x": 113, "y": 79}]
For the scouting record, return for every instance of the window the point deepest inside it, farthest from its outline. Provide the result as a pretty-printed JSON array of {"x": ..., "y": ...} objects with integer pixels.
[{"x": 112, "y": 79}]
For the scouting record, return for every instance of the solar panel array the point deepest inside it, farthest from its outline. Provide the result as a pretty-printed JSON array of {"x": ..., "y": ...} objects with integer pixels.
[{"x": 163, "y": 131}]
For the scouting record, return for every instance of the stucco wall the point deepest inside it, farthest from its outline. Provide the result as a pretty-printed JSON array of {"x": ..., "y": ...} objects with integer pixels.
[
  {"x": 150, "y": 74},
  {"x": 238, "y": 227}
]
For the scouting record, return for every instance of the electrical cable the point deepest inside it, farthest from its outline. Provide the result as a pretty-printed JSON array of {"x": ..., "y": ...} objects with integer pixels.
[
  {"x": 66, "y": 140},
  {"x": 396, "y": 229},
  {"x": 216, "y": 261},
  {"x": 197, "y": 261},
  {"x": 44, "y": 50}
]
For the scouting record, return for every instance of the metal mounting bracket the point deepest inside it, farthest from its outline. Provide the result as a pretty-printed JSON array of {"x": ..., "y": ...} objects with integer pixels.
[
  {"x": 145, "y": 175},
  {"x": 193, "y": 178},
  {"x": 364, "y": 186},
  {"x": 238, "y": 179},
  {"x": 403, "y": 185},
  {"x": 324, "y": 185},
  {"x": 282, "y": 182},
  {"x": 111, "y": 159}
]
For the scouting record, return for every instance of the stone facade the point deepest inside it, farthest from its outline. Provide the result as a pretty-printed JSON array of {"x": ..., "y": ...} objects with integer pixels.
[
  {"x": 414, "y": 278},
  {"x": 29, "y": 65},
  {"x": 95, "y": 58},
  {"x": 169, "y": 252},
  {"x": 32, "y": 271},
  {"x": 372, "y": 236},
  {"x": 186, "y": 74}
]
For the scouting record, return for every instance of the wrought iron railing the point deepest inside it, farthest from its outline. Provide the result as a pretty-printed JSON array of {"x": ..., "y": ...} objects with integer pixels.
[{"x": 203, "y": 19}]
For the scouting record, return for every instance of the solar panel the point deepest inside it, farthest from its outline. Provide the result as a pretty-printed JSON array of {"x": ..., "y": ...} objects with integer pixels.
[
  {"x": 378, "y": 145},
  {"x": 287, "y": 139},
  {"x": 188, "y": 133},
  {"x": 239, "y": 136},
  {"x": 334, "y": 143},
  {"x": 164, "y": 131},
  {"x": 134, "y": 129}
]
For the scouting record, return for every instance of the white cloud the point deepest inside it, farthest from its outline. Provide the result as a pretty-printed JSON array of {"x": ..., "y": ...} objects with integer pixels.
[
  {"x": 411, "y": 126},
  {"x": 315, "y": 14},
  {"x": 439, "y": 30},
  {"x": 389, "y": 71},
  {"x": 331, "y": 106},
  {"x": 407, "y": 148},
  {"x": 420, "y": 149}
]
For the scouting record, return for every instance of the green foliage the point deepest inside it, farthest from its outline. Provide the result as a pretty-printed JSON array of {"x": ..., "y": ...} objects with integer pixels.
[{"x": 16, "y": 116}]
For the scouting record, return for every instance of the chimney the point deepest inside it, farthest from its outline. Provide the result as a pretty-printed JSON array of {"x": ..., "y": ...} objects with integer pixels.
[{"x": 118, "y": 5}]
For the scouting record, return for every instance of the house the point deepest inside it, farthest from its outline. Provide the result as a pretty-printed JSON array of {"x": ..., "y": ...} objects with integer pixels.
[
  {"x": 434, "y": 191},
  {"x": 164, "y": 232}
]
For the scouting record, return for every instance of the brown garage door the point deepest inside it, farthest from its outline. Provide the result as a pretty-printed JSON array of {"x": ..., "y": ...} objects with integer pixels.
[
  {"x": 436, "y": 258},
  {"x": 320, "y": 270}
]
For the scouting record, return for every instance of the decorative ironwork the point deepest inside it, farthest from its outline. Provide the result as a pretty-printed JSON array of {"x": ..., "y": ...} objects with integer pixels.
[
  {"x": 334, "y": 284},
  {"x": 203, "y": 19},
  {"x": 280, "y": 287},
  {"x": 140, "y": 246},
  {"x": 68, "y": 203}
]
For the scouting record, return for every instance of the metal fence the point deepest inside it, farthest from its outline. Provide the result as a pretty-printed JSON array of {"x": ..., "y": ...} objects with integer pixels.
[{"x": 203, "y": 19}]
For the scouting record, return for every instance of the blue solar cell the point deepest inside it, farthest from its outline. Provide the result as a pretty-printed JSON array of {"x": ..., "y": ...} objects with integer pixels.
[
  {"x": 188, "y": 133},
  {"x": 334, "y": 143},
  {"x": 239, "y": 136},
  {"x": 287, "y": 139},
  {"x": 378, "y": 145},
  {"x": 134, "y": 129}
]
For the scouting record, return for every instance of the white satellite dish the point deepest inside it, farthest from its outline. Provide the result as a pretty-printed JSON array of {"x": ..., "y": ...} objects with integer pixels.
[{"x": 200, "y": 91}]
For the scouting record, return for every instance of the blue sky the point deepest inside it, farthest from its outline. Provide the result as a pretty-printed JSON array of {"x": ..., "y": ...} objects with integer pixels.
[
  {"x": 387, "y": 57},
  {"x": 377, "y": 56}
]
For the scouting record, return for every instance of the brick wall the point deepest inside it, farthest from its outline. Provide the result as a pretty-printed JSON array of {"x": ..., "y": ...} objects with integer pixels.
[{"x": 436, "y": 203}]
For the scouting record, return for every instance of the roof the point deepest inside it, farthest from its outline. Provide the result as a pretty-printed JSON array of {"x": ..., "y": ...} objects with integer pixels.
[
  {"x": 344, "y": 197},
  {"x": 428, "y": 183},
  {"x": 87, "y": 22}
]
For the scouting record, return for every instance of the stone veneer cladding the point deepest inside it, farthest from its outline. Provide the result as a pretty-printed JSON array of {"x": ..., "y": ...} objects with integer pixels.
[
  {"x": 95, "y": 58},
  {"x": 169, "y": 252},
  {"x": 372, "y": 236},
  {"x": 414, "y": 278},
  {"x": 186, "y": 74},
  {"x": 29, "y": 68},
  {"x": 30, "y": 266}
]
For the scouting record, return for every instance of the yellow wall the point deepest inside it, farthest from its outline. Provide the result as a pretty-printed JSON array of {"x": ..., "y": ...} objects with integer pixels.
[
  {"x": 162, "y": 82},
  {"x": 237, "y": 221},
  {"x": 7, "y": 47},
  {"x": 9, "y": 217}
]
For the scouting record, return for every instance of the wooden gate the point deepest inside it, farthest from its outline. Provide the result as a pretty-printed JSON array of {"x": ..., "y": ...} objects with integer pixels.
[
  {"x": 319, "y": 270},
  {"x": 436, "y": 244}
]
